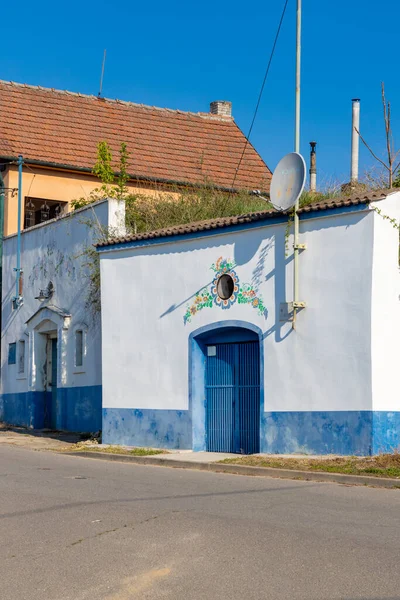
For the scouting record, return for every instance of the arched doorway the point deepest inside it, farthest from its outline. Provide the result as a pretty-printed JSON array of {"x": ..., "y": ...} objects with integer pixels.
[
  {"x": 47, "y": 330},
  {"x": 226, "y": 387}
]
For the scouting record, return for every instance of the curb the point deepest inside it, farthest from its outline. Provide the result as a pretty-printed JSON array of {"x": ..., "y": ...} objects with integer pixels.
[{"x": 320, "y": 476}]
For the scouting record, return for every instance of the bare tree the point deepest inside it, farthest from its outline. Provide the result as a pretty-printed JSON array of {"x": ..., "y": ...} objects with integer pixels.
[{"x": 392, "y": 155}]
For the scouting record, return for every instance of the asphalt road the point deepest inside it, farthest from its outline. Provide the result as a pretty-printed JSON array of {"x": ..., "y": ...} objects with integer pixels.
[{"x": 81, "y": 529}]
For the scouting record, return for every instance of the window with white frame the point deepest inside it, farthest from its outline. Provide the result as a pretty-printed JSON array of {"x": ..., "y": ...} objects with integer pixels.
[{"x": 21, "y": 357}]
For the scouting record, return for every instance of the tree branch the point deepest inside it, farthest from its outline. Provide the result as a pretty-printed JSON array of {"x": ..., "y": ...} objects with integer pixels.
[
  {"x": 374, "y": 155},
  {"x": 396, "y": 168}
]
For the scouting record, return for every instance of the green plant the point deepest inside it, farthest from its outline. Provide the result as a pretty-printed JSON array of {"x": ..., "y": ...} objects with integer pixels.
[
  {"x": 104, "y": 171},
  {"x": 121, "y": 188},
  {"x": 102, "y": 167}
]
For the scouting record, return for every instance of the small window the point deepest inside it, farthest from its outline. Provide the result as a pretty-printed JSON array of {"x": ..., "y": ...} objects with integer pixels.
[
  {"x": 79, "y": 348},
  {"x": 21, "y": 357},
  {"x": 40, "y": 210},
  {"x": 12, "y": 353},
  {"x": 225, "y": 286}
]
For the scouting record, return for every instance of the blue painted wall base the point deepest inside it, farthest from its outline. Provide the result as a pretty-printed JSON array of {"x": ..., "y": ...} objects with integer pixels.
[
  {"x": 334, "y": 432},
  {"x": 147, "y": 428},
  {"x": 24, "y": 409},
  {"x": 386, "y": 431},
  {"x": 345, "y": 433},
  {"x": 78, "y": 409}
]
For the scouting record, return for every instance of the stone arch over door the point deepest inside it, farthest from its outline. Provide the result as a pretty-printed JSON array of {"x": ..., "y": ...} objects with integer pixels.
[{"x": 230, "y": 330}]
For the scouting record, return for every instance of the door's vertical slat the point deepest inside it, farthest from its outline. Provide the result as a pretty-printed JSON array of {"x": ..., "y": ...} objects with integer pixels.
[{"x": 249, "y": 394}]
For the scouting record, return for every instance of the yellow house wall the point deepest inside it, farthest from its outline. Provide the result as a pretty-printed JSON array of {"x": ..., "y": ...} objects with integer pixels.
[{"x": 51, "y": 185}]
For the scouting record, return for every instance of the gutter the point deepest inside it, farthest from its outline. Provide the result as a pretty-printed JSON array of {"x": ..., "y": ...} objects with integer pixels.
[
  {"x": 132, "y": 177},
  {"x": 219, "y": 467}
]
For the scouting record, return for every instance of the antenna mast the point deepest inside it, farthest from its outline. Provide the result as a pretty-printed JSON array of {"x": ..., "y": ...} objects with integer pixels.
[{"x": 102, "y": 74}]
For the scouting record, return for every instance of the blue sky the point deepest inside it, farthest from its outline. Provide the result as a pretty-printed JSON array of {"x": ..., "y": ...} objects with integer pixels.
[{"x": 186, "y": 54}]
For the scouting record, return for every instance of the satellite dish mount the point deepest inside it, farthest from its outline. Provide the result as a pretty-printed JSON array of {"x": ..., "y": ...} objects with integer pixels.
[{"x": 287, "y": 186}]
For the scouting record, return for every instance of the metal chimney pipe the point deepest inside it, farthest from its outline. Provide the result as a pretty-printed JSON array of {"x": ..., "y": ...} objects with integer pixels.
[
  {"x": 355, "y": 140},
  {"x": 313, "y": 167}
]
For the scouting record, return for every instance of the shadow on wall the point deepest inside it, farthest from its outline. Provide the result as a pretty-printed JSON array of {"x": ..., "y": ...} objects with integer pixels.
[
  {"x": 175, "y": 306},
  {"x": 184, "y": 302},
  {"x": 8, "y": 313},
  {"x": 281, "y": 330},
  {"x": 246, "y": 247},
  {"x": 243, "y": 252}
]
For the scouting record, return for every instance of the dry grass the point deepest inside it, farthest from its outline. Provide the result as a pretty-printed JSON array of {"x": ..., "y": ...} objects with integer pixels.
[
  {"x": 148, "y": 213},
  {"x": 80, "y": 447},
  {"x": 383, "y": 465}
]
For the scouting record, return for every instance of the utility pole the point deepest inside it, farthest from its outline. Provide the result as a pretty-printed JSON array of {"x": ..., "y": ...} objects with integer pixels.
[{"x": 296, "y": 248}]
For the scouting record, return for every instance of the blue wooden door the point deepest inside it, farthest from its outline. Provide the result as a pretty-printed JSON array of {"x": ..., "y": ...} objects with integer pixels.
[
  {"x": 50, "y": 393},
  {"x": 233, "y": 397},
  {"x": 54, "y": 384}
]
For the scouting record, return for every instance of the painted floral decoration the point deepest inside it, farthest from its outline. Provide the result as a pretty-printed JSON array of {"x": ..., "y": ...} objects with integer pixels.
[
  {"x": 242, "y": 293},
  {"x": 227, "y": 303}
]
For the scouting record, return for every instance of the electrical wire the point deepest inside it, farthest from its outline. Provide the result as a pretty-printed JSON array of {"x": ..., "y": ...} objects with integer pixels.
[
  {"x": 261, "y": 91},
  {"x": 33, "y": 178}
]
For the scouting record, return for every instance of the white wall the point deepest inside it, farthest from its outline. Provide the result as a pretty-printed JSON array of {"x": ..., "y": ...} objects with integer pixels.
[
  {"x": 325, "y": 365},
  {"x": 54, "y": 252},
  {"x": 386, "y": 307}
]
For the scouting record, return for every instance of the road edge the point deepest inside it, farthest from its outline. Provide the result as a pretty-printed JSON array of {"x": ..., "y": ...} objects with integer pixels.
[{"x": 320, "y": 476}]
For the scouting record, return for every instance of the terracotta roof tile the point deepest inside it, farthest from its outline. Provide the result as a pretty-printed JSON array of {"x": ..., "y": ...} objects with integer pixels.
[
  {"x": 224, "y": 222},
  {"x": 165, "y": 145}
]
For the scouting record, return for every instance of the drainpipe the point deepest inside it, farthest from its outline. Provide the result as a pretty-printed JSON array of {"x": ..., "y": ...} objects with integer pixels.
[
  {"x": 18, "y": 296},
  {"x": 313, "y": 167}
]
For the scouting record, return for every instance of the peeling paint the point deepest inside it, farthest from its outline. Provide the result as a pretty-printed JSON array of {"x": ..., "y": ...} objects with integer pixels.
[{"x": 154, "y": 428}]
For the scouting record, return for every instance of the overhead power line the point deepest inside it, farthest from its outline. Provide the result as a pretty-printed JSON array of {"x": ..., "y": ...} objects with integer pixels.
[{"x": 261, "y": 91}]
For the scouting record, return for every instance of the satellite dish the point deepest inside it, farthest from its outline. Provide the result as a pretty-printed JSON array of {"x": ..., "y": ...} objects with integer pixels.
[{"x": 288, "y": 181}]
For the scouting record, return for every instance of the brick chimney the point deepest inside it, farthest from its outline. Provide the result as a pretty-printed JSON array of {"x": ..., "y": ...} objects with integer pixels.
[{"x": 222, "y": 108}]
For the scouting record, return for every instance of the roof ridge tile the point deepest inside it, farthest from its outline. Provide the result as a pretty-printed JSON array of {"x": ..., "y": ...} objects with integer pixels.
[{"x": 209, "y": 116}]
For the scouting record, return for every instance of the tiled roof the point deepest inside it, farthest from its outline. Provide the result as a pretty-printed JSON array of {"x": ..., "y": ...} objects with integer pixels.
[
  {"x": 248, "y": 218},
  {"x": 165, "y": 145}
]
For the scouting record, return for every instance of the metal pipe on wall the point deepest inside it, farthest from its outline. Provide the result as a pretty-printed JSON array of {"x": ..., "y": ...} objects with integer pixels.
[
  {"x": 18, "y": 295},
  {"x": 355, "y": 140},
  {"x": 313, "y": 167}
]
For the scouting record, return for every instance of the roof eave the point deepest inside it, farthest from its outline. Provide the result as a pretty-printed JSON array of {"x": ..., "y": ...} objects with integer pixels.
[
  {"x": 131, "y": 176},
  {"x": 216, "y": 225}
]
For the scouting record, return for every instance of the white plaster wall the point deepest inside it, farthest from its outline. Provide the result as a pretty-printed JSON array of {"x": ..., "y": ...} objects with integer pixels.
[
  {"x": 386, "y": 308},
  {"x": 324, "y": 365},
  {"x": 53, "y": 251}
]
